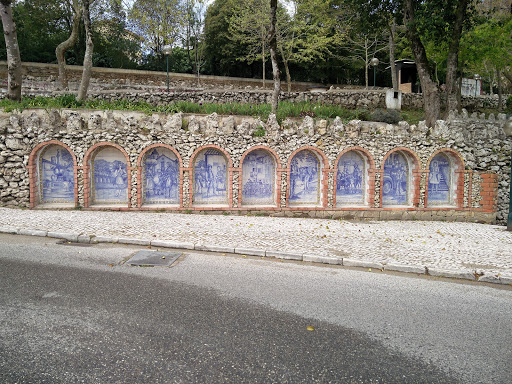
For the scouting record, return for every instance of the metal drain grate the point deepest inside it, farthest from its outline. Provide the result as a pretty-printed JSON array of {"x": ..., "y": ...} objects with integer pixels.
[{"x": 153, "y": 258}]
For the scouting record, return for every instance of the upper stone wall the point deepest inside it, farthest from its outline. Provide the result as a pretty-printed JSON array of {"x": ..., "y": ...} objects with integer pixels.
[{"x": 151, "y": 86}]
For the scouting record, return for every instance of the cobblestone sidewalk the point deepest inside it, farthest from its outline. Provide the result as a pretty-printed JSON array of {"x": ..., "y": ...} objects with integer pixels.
[{"x": 463, "y": 250}]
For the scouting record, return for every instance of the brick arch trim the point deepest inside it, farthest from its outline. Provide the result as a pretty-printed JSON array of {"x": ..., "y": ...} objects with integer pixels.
[
  {"x": 152, "y": 146},
  {"x": 325, "y": 160},
  {"x": 87, "y": 181},
  {"x": 415, "y": 158},
  {"x": 95, "y": 147},
  {"x": 265, "y": 148},
  {"x": 32, "y": 169},
  {"x": 363, "y": 151},
  {"x": 454, "y": 155},
  {"x": 202, "y": 148}
]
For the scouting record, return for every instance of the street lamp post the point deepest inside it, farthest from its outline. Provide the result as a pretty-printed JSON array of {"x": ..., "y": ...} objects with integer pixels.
[
  {"x": 508, "y": 131},
  {"x": 374, "y": 62},
  {"x": 477, "y": 77},
  {"x": 167, "y": 49}
]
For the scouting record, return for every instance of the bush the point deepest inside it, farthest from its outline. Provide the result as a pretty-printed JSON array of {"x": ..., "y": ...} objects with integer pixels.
[
  {"x": 509, "y": 104},
  {"x": 389, "y": 116}
]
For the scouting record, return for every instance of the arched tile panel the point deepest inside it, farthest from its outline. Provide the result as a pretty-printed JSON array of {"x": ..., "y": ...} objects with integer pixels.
[
  {"x": 260, "y": 178},
  {"x": 306, "y": 179},
  {"x": 160, "y": 177},
  {"x": 108, "y": 176},
  {"x": 53, "y": 176},
  {"x": 445, "y": 178},
  {"x": 400, "y": 178},
  {"x": 211, "y": 177}
]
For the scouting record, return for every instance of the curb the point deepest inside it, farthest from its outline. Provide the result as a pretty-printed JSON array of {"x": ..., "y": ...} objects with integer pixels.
[{"x": 480, "y": 276}]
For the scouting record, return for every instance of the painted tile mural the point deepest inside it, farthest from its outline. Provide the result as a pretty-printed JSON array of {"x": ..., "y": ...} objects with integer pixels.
[
  {"x": 305, "y": 179},
  {"x": 350, "y": 179},
  {"x": 258, "y": 181},
  {"x": 109, "y": 177},
  {"x": 439, "y": 181},
  {"x": 56, "y": 175},
  {"x": 160, "y": 177},
  {"x": 396, "y": 180},
  {"x": 210, "y": 178}
]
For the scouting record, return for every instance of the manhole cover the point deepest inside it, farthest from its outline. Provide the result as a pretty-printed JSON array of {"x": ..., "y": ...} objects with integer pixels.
[{"x": 153, "y": 258}]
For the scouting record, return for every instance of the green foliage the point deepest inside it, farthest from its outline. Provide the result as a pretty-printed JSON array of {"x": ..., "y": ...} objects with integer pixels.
[
  {"x": 158, "y": 22},
  {"x": 286, "y": 109},
  {"x": 220, "y": 50},
  {"x": 260, "y": 132},
  {"x": 509, "y": 104},
  {"x": 41, "y": 25}
]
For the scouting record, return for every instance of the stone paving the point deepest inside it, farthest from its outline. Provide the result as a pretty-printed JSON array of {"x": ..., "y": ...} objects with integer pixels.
[{"x": 465, "y": 248}]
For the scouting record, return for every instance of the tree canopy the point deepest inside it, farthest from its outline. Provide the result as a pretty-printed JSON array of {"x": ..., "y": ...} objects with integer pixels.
[{"x": 317, "y": 40}]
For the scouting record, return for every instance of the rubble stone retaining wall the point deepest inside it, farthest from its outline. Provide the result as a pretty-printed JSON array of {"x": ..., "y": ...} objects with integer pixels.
[
  {"x": 109, "y": 160},
  {"x": 151, "y": 86}
]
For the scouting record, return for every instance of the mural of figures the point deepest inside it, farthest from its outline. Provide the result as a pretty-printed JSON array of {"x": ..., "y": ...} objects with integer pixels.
[
  {"x": 304, "y": 179},
  {"x": 350, "y": 179},
  {"x": 210, "y": 178},
  {"x": 396, "y": 180},
  {"x": 439, "y": 180},
  {"x": 56, "y": 176},
  {"x": 109, "y": 177},
  {"x": 258, "y": 180},
  {"x": 160, "y": 177}
]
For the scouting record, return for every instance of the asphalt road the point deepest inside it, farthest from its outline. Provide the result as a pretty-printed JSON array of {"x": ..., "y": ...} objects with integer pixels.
[{"x": 78, "y": 314}]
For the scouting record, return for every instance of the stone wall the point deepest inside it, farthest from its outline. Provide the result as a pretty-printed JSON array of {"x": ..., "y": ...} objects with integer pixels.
[
  {"x": 40, "y": 77},
  {"x": 480, "y": 151},
  {"x": 150, "y": 86}
]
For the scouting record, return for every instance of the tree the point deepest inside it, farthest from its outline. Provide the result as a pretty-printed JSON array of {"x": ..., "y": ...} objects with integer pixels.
[
  {"x": 364, "y": 47},
  {"x": 158, "y": 22},
  {"x": 114, "y": 45},
  {"x": 89, "y": 47},
  {"x": 250, "y": 25},
  {"x": 489, "y": 45},
  {"x": 14, "y": 74},
  {"x": 308, "y": 35},
  {"x": 194, "y": 42},
  {"x": 61, "y": 49},
  {"x": 272, "y": 37},
  {"x": 431, "y": 100}
]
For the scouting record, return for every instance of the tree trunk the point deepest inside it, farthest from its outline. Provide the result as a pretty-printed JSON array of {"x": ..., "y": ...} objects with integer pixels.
[
  {"x": 500, "y": 90},
  {"x": 366, "y": 62},
  {"x": 392, "y": 30},
  {"x": 263, "y": 59},
  {"x": 197, "y": 66},
  {"x": 14, "y": 72},
  {"x": 452, "y": 61},
  {"x": 287, "y": 71},
  {"x": 459, "y": 95},
  {"x": 273, "y": 56},
  {"x": 61, "y": 49},
  {"x": 89, "y": 47},
  {"x": 432, "y": 103}
]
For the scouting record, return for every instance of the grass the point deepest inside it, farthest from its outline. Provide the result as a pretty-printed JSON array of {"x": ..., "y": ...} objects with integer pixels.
[{"x": 286, "y": 109}]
